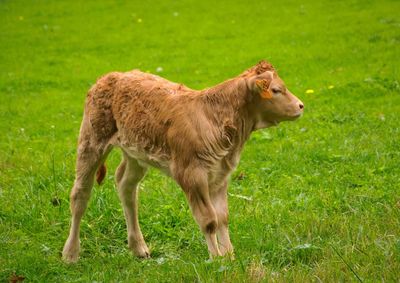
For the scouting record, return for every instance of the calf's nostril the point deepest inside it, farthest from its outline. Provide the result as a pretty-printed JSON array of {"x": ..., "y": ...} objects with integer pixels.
[{"x": 301, "y": 106}]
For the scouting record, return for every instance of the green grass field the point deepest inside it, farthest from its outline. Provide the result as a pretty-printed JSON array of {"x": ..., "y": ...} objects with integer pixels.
[{"x": 322, "y": 194}]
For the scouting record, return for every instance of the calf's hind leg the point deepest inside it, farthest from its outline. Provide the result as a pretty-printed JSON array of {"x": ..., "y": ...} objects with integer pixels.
[
  {"x": 128, "y": 176},
  {"x": 89, "y": 158}
]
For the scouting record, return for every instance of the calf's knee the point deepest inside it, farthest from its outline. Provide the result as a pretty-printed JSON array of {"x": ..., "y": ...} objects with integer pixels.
[{"x": 210, "y": 226}]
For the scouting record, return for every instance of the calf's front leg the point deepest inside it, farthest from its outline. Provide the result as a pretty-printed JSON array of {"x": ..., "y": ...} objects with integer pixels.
[
  {"x": 219, "y": 199},
  {"x": 195, "y": 185}
]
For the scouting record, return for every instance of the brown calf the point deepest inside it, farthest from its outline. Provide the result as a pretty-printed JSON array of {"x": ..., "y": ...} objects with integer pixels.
[{"x": 193, "y": 136}]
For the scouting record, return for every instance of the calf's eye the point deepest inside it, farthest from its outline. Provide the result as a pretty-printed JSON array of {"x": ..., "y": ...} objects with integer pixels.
[{"x": 276, "y": 90}]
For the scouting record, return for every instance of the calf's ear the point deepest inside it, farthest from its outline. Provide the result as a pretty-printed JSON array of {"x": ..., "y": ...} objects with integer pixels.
[
  {"x": 263, "y": 88},
  {"x": 260, "y": 84}
]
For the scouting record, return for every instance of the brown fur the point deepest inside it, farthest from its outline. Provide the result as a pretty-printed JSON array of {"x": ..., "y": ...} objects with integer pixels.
[{"x": 193, "y": 136}]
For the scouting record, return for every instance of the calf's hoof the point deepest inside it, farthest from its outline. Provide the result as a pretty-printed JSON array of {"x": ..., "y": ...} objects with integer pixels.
[
  {"x": 70, "y": 255},
  {"x": 70, "y": 252},
  {"x": 141, "y": 250},
  {"x": 228, "y": 252}
]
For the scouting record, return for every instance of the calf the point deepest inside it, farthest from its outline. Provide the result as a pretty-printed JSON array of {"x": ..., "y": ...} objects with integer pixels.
[{"x": 193, "y": 136}]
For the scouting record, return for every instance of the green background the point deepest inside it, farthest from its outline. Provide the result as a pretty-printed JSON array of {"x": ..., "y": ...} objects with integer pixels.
[{"x": 322, "y": 193}]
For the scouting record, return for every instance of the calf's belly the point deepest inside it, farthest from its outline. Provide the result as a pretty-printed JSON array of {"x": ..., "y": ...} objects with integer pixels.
[{"x": 158, "y": 161}]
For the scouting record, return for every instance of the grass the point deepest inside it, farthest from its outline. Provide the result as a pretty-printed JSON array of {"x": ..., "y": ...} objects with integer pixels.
[{"x": 323, "y": 194}]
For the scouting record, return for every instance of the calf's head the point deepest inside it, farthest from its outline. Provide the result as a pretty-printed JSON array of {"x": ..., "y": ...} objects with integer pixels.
[{"x": 272, "y": 102}]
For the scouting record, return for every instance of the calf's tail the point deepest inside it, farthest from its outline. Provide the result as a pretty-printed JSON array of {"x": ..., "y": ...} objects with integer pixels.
[{"x": 101, "y": 173}]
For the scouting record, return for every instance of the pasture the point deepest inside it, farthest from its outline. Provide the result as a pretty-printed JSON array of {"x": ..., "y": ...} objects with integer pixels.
[{"x": 317, "y": 199}]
